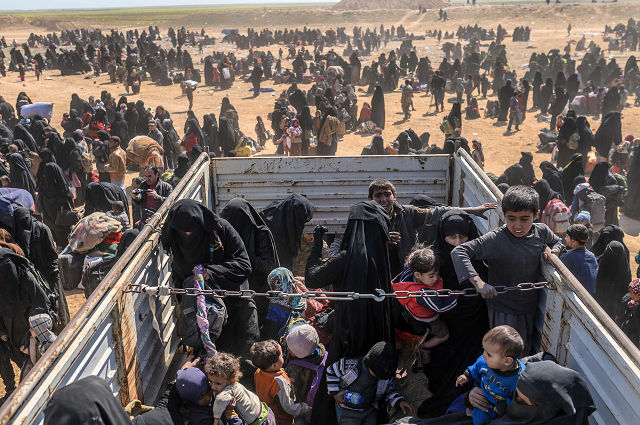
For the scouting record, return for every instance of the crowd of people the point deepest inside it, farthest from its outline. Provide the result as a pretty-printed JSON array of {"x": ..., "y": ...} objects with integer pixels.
[{"x": 292, "y": 360}]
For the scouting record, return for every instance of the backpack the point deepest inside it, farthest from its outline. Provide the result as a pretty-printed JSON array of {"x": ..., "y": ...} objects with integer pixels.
[
  {"x": 87, "y": 161},
  {"x": 24, "y": 266},
  {"x": 556, "y": 216},
  {"x": 315, "y": 384},
  {"x": 595, "y": 204},
  {"x": 216, "y": 314}
]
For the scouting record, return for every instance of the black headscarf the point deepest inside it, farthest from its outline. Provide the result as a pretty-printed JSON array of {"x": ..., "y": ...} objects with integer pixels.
[
  {"x": 376, "y": 147},
  {"x": 609, "y": 133},
  {"x": 193, "y": 127},
  {"x": 566, "y": 131},
  {"x": 449, "y": 147},
  {"x": 212, "y": 242},
  {"x": 226, "y": 135},
  {"x": 286, "y": 220},
  {"x": 632, "y": 201},
  {"x": 194, "y": 154},
  {"x": 512, "y": 176},
  {"x": 569, "y": 173},
  {"x": 127, "y": 238},
  {"x": 403, "y": 143},
  {"x": 610, "y": 233},
  {"x": 614, "y": 276},
  {"x": 551, "y": 174},
  {"x": 426, "y": 233},
  {"x": 598, "y": 177},
  {"x": 528, "y": 173},
  {"x": 93, "y": 403},
  {"x": 455, "y": 113},
  {"x": 545, "y": 193},
  {"x": 100, "y": 197},
  {"x": 183, "y": 166},
  {"x": 20, "y": 175},
  {"x": 560, "y": 396},
  {"x": 586, "y": 136},
  {"x": 55, "y": 184},
  {"x": 467, "y": 321},
  {"x": 377, "y": 107},
  {"x": 362, "y": 324},
  {"x": 20, "y": 132},
  {"x": 305, "y": 119}
]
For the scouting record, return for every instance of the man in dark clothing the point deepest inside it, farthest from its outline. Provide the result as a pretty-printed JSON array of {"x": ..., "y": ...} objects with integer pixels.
[
  {"x": 405, "y": 219},
  {"x": 256, "y": 78},
  {"x": 153, "y": 192},
  {"x": 437, "y": 89}
]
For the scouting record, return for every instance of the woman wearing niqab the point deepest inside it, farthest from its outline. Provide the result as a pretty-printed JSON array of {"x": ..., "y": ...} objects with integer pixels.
[
  {"x": 605, "y": 183},
  {"x": 376, "y": 147},
  {"x": 260, "y": 246},
  {"x": 564, "y": 135},
  {"x": 195, "y": 235},
  {"x": 55, "y": 195},
  {"x": 613, "y": 278},
  {"x": 20, "y": 175},
  {"x": 569, "y": 173},
  {"x": 528, "y": 173},
  {"x": 377, "y": 107},
  {"x": 100, "y": 197},
  {"x": 511, "y": 176},
  {"x": 545, "y": 193},
  {"x": 286, "y": 220},
  {"x": 467, "y": 321},
  {"x": 551, "y": 174}
]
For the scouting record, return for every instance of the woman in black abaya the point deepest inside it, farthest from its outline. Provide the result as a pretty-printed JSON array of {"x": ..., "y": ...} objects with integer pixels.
[
  {"x": 286, "y": 220},
  {"x": 467, "y": 321},
  {"x": 260, "y": 245},
  {"x": 195, "y": 235},
  {"x": 306, "y": 125},
  {"x": 226, "y": 135},
  {"x": 586, "y": 137},
  {"x": 512, "y": 176},
  {"x": 545, "y": 94},
  {"x": 632, "y": 200},
  {"x": 606, "y": 184},
  {"x": 37, "y": 244},
  {"x": 609, "y": 134},
  {"x": 569, "y": 173},
  {"x": 55, "y": 195},
  {"x": 100, "y": 197},
  {"x": 545, "y": 193},
  {"x": 455, "y": 116},
  {"x": 551, "y": 174},
  {"x": 377, "y": 107},
  {"x": 528, "y": 173},
  {"x": 537, "y": 82},
  {"x": 564, "y": 135},
  {"x": 609, "y": 234},
  {"x": 376, "y": 147},
  {"x": 20, "y": 175},
  {"x": 612, "y": 281}
]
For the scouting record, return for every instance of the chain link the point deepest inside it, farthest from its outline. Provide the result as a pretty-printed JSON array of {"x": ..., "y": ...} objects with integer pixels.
[{"x": 328, "y": 296}]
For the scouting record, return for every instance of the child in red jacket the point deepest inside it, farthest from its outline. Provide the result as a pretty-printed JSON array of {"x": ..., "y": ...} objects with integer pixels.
[{"x": 423, "y": 313}]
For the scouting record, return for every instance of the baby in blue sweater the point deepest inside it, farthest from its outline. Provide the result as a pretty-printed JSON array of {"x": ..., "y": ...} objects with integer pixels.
[{"x": 495, "y": 372}]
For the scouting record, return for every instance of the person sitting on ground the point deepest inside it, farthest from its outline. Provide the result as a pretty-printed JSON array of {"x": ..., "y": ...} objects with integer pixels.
[
  {"x": 512, "y": 252},
  {"x": 273, "y": 386},
  {"x": 117, "y": 212},
  {"x": 496, "y": 372},
  {"x": 307, "y": 357},
  {"x": 223, "y": 372},
  {"x": 243, "y": 150},
  {"x": 422, "y": 314},
  {"x": 580, "y": 262},
  {"x": 359, "y": 377}
]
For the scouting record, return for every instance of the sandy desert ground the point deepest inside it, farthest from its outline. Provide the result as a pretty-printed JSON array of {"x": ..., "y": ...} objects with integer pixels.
[{"x": 548, "y": 24}]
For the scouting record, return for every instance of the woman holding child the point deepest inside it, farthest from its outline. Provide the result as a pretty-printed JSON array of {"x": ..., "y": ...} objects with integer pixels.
[{"x": 467, "y": 321}]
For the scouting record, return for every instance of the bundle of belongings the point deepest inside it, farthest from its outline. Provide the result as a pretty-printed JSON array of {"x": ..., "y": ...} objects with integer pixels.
[
  {"x": 143, "y": 150},
  {"x": 96, "y": 232}
]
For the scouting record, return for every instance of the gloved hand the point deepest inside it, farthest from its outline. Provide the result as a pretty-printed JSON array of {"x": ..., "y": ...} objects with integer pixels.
[{"x": 318, "y": 234}]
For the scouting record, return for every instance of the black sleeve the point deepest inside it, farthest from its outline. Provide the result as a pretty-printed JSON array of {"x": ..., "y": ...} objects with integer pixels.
[
  {"x": 170, "y": 399},
  {"x": 318, "y": 275},
  {"x": 265, "y": 261},
  {"x": 50, "y": 254},
  {"x": 235, "y": 267}
]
